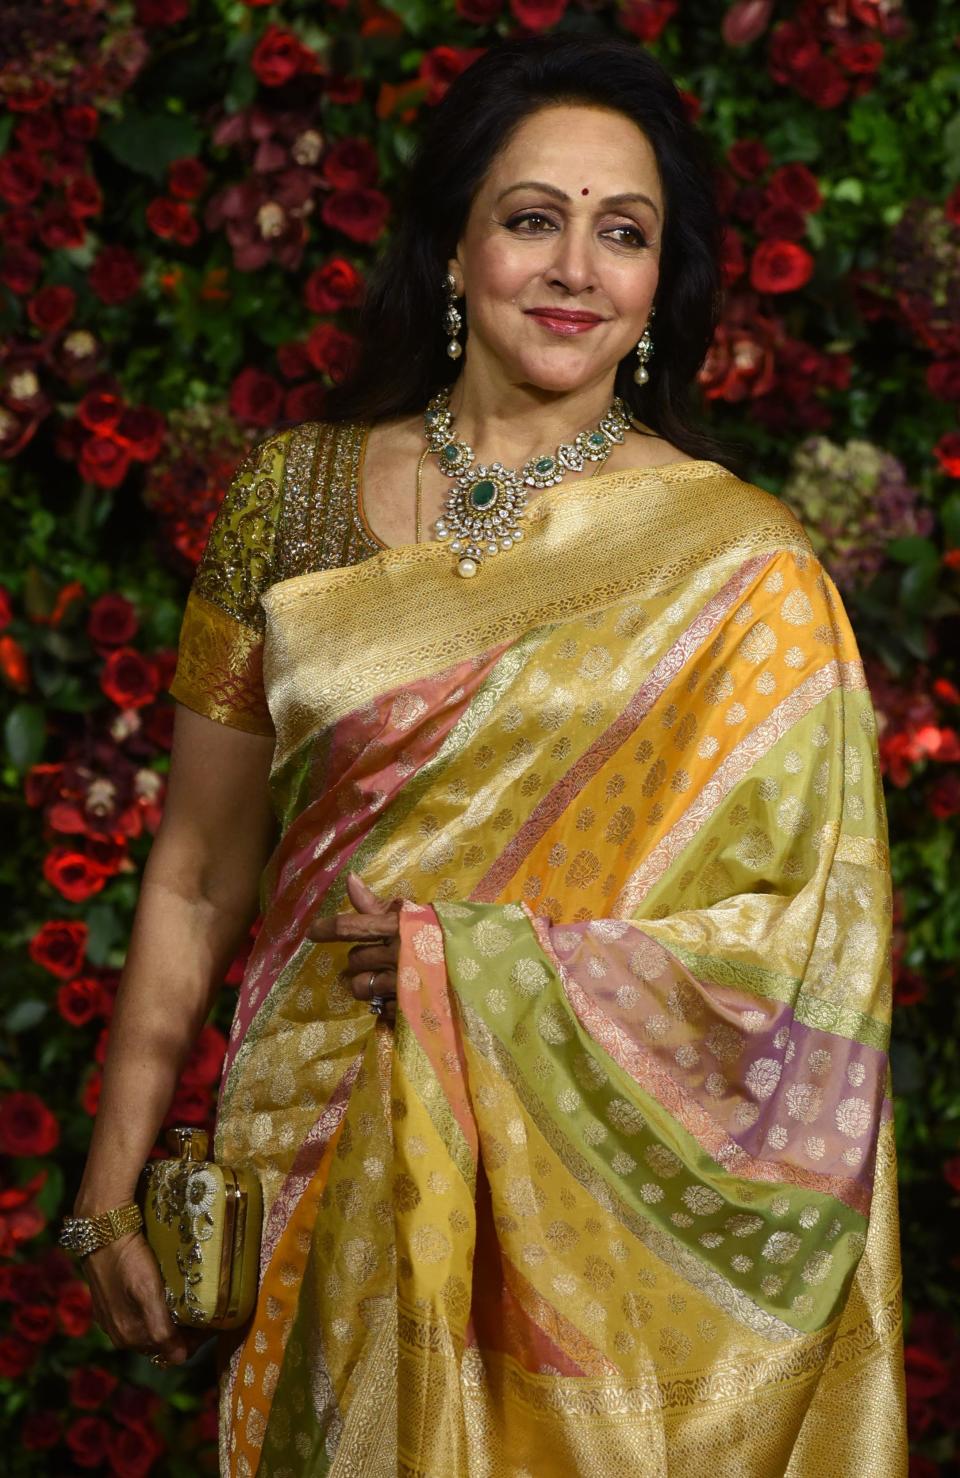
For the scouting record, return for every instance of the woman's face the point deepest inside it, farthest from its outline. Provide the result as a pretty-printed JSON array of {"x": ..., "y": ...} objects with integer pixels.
[{"x": 567, "y": 222}]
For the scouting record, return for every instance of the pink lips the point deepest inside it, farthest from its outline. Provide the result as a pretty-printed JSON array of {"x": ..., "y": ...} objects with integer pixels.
[{"x": 565, "y": 321}]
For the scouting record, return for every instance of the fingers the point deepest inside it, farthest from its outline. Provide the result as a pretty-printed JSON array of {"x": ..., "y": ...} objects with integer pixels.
[
  {"x": 129, "y": 1303},
  {"x": 364, "y": 926},
  {"x": 374, "y": 983},
  {"x": 372, "y": 957}
]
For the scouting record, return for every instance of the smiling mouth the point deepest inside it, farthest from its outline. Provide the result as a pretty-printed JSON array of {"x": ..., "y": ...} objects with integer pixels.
[{"x": 564, "y": 315}]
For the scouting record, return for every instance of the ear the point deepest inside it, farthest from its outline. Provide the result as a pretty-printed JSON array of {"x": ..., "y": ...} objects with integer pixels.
[{"x": 456, "y": 271}]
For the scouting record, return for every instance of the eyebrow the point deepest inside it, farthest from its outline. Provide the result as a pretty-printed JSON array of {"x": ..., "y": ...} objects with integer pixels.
[{"x": 627, "y": 198}]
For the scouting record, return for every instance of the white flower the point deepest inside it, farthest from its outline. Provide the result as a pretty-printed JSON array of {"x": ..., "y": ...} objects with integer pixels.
[
  {"x": 804, "y": 1102},
  {"x": 741, "y": 1263},
  {"x": 817, "y": 1267},
  {"x": 651, "y": 1193},
  {"x": 701, "y": 1200},
  {"x": 762, "y": 1076},
  {"x": 809, "y": 1217},
  {"x": 856, "y": 1072},
  {"x": 744, "y": 1226},
  {"x": 853, "y": 1117},
  {"x": 819, "y": 1062},
  {"x": 781, "y": 1246},
  {"x": 815, "y": 1147}
]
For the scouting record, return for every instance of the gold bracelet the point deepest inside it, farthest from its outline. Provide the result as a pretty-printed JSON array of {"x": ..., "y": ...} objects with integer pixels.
[{"x": 82, "y": 1235}]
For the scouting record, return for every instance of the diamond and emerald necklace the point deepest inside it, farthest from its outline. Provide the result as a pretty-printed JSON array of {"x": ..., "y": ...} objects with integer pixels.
[{"x": 485, "y": 506}]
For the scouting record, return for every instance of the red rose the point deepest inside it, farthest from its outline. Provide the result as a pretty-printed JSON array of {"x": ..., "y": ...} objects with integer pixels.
[
  {"x": 279, "y": 56},
  {"x": 87, "y": 1436},
  {"x": 332, "y": 351},
  {"x": 115, "y": 275},
  {"x": 748, "y": 158},
  {"x": 21, "y": 269},
  {"x": 80, "y": 122},
  {"x": 142, "y": 431},
  {"x": 951, "y": 206},
  {"x": 73, "y": 874},
  {"x": 27, "y": 1127},
  {"x": 103, "y": 461},
  {"x": 90, "y": 1385},
  {"x": 205, "y": 1061},
  {"x": 256, "y": 398},
  {"x": 293, "y": 361},
  {"x": 6, "y": 608},
  {"x": 21, "y": 178},
  {"x": 479, "y": 12},
  {"x": 162, "y": 12},
  {"x": 59, "y": 946},
  {"x": 52, "y": 308},
  {"x": 745, "y": 21},
  {"x": 90, "y": 1098},
  {"x": 863, "y": 58},
  {"x": 951, "y": 1172},
  {"x": 75, "y": 1309},
  {"x": 191, "y": 1105},
  {"x": 645, "y": 19},
  {"x": 163, "y": 217},
  {"x": 83, "y": 197},
  {"x": 129, "y": 679},
  {"x": 359, "y": 214},
  {"x": 335, "y": 285},
  {"x": 40, "y": 1430},
  {"x": 927, "y": 1375},
  {"x": 78, "y": 1001},
  {"x": 132, "y": 1451},
  {"x": 14, "y": 664},
  {"x": 794, "y": 185},
  {"x": 346, "y": 90},
  {"x": 187, "y": 178},
  {"x": 944, "y": 799},
  {"x": 441, "y": 66},
  {"x": 780, "y": 223},
  {"x": 537, "y": 15},
  {"x": 943, "y": 379},
  {"x": 35, "y": 1322},
  {"x": 821, "y": 82},
  {"x": 112, "y": 621},
  {"x": 16, "y": 1357},
  {"x": 947, "y": 453},
  {"x": 305, "y": 403},
  {"x": 780, "y": 267},
  {"x": 351, "y": 164}
]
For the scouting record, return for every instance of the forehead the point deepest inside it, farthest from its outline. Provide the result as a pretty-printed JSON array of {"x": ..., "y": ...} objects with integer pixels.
[{"x": 576, "y": 145}]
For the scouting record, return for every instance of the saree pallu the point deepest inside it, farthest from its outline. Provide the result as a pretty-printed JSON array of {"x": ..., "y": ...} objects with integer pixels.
[{"x": 618, "y": 1193}]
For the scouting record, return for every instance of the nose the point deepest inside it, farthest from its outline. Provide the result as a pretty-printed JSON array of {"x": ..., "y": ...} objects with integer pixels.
[{"x": 572, "y": 266}]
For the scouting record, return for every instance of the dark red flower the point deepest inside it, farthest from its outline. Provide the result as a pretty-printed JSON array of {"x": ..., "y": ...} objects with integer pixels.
[
  {"x": 35, "y": 1322},
  {"x": 359, "y": 214},
  {"x": 59, "y": 946},
  {"x": 79, "y": 1001},
  {"x": 6, "y": 608},
  {"x": 87, "y": 1436},
  {"x": 947, "y": 453},
  {"x": 16, "y": 1356},
  {"x": 293, "y": 361},
  {"x": 80, "y": 122},
  {"x": 538, "y": 15},
  {"x": 441, "y": 66},
  {"x": 351, "y": 164},
  {"x": 205, "y": 1061},
  {"x": 187, "y": 178},
  {"x": 280, "y": 56},
  {"x": 21, "y": 269},
  {"x": 943, "y": 801},
  {"x": 73, "y": 874},
  {"x": 646, "y": 19},
  {"x": 90, "y": 1098},
  {"x": 75, "y": 1309},
  {"x": 129, "y": 679},
  {"x": 27, "y": 1127},
  {"x": 943, "y": 379},
  {"x": 153, "y": 13},
  {"x": 337, "y": 284},
  {"x": 745, "y": 21},
  {"x": 305, "y": 402},
  {"x": 40, "y": 1430},
  {"x": 21, "y": 178},
  {"x": 821, "y": 82},
  {"x": 951, "y": 1172},
  {"x": 331, "y": 350},
  {"x": 112, "y": 621},
  {"x": 115, "y": 275},
  {"x": 256, "y": 398},
  {"x": 748, "y": 158},
  {"x": 133, "y": 1450},
  {"x": 780, "y": 267},
  {"x": 52, "y": 308},
  {"x": 191, "y": 1104},
  {"x": 479, "y": 12},
  {"x": 90, "y": 1385},
  {"x": 103, "y": 461},
  {"x": 14, "y": 664},
  {"x": 862, "y": 58},
  {"x": 794, "y": 185},
  {"x": 927, "y": 1375},
  {"x": 780, "y": 223}
]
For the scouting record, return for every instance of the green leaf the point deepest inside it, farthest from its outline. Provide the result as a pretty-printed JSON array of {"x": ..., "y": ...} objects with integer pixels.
[
  {"x": 951, "y": 149},
  {"x": 24, "y": 734},
  {"x": 106, "y": 930},
  {"x": 950, "y": 518},
  {"x": 848, "y": 189},
  {"x": 918, "y": 588},
  {"x": 149, "y": 143},
  {"x": 24, "y": 1015},
  {"x": 914, "y": 550}
]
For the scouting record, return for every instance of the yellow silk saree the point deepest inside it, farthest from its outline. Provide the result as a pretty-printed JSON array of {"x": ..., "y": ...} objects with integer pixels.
[{"x": 618, "y": 1193}]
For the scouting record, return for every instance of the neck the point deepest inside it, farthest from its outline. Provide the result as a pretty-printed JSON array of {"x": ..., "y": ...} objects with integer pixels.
[{"x": 510, "y": 422}]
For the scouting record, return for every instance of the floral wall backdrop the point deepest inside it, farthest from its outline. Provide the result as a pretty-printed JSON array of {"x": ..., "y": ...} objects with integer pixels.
[{"x": 191, "y": 193}]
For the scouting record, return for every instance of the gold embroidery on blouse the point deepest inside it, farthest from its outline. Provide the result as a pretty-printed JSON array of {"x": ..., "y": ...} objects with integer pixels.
[{"x": 219, "y": 668}]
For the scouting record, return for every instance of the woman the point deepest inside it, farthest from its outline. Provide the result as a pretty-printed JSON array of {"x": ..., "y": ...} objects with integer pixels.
[{"x": 561, "y": 1051}]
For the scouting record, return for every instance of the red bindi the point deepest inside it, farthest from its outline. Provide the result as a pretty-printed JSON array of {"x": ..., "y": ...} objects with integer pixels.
[{"x": 584, "y": 191}]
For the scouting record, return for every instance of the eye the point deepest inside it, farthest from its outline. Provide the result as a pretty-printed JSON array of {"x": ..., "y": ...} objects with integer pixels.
[
  {"x": 532, "y": 218},
  {"x": 630, "y": 236}
]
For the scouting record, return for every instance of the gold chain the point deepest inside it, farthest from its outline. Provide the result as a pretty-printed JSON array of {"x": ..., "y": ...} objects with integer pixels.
[{"x": 423, "y": 457}]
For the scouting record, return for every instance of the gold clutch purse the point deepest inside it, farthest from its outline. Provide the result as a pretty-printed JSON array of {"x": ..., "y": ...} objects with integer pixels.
[{"x": 203, "y": 1222}]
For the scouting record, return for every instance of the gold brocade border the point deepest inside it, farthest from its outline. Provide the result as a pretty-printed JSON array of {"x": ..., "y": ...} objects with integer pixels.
[
  {"x": 404, "y": 614},
  {"x": 219, "y": 671},
  {"x": 417, "y": 1066},
  {"x": 686, "y": 1265}
]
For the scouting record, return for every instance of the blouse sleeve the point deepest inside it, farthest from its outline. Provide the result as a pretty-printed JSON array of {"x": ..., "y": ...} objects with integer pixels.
[{"x": 220, "y": 657}]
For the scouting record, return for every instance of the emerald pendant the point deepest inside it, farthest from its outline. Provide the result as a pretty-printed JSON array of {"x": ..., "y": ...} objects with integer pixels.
[{"x": 483, "y": 493}]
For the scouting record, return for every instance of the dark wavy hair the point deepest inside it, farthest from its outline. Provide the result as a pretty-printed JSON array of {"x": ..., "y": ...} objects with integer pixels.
[{"x": 403, "y": 360}]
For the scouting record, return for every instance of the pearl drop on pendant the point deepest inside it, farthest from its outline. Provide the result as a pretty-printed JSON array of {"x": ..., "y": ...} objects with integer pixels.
[
  {"x": 467, "y": 567},
  {"x": 454, "y": 348},
  {"x": 641, "y": 375}
]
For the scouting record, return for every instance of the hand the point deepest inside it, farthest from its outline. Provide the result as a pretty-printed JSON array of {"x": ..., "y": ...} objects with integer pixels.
[
  {"x": 372, "y": 964},
  {"x": 129, "y": 1305}
]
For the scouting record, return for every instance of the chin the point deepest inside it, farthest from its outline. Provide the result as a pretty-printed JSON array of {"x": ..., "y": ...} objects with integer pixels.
[{"x": 561, "y": 379}]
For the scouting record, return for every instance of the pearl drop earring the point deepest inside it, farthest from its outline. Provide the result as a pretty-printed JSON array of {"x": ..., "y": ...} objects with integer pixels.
[{"x": 644, "y": 352}]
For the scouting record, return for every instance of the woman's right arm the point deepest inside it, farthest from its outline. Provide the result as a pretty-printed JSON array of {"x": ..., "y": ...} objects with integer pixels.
[{"x": 198, "y": 897}]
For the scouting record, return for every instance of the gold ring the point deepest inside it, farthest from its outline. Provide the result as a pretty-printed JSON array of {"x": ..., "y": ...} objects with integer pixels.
[{"x": 159, "y": 1360}]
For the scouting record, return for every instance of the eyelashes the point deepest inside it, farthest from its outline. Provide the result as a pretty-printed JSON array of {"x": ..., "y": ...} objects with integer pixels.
[{"x": 541, "y": 224}]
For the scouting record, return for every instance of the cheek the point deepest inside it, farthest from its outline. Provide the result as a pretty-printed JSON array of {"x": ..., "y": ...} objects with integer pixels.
[{"x": 498, "y": 274}]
